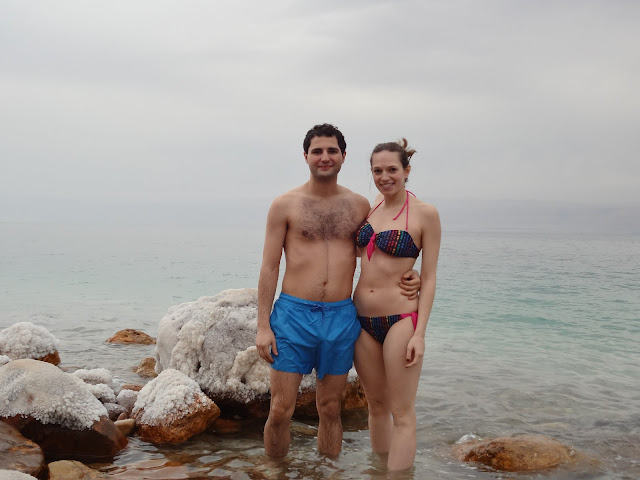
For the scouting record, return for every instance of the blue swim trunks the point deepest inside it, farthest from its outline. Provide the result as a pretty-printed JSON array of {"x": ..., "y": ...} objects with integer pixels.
[{"x": 320, "y": 335}]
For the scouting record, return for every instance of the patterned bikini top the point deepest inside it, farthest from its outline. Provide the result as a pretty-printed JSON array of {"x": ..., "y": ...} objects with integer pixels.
[{"x": 397, "y": 243}]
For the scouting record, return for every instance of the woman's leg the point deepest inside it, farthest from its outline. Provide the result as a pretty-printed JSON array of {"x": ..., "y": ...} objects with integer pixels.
[
  {"x": 370, "y": 366},
  {"x": 403, "y": 387}
]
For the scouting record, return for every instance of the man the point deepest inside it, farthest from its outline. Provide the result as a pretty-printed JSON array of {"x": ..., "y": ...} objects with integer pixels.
[{"x": 313, "y": 324}]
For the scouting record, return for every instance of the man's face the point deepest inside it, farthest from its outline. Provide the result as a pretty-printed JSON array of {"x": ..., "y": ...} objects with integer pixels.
[{"x": 324, "y": 157}]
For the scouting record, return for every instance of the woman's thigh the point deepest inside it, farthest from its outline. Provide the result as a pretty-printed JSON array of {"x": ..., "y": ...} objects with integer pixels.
[
  {"x": 402, "y": 381},
  {"x": 369, "y": 363}
]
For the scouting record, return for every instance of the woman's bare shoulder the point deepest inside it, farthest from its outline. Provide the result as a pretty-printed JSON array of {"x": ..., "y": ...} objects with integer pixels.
[{"x": 428, "y": 212}]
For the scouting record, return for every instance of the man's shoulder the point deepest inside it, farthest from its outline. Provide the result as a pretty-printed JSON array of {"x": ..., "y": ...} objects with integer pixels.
[
  {"x": 352, "y": 196},
  {"x": 287, "y": 197}
]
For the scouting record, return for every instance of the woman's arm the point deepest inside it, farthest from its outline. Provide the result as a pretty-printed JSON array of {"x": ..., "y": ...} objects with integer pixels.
[{"x": 431, "y": 235}]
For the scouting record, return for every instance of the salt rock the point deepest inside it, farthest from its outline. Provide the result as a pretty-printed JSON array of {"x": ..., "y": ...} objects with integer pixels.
[
  {"x": 4, "y": 359},
  {"x": 71, "y": 469},
  {"x": 114, "y": 410},
  {"x": 19, "y": 453},
  {"x": 26, "y": 340},
  {"x": 14, "y": 475},
  {"x": 95, "y": 376},
  {"x": 212, "y": 340},
  {"x": 57, "y": 411},
  {"x": 171, "y": 409},
  {"x": 127, "y": 399},
  {"x": 146, "y": 368},
  {"x": 129, "y": 335},
  {"x": 102, "y": 392},
  {"x": 524, "y": 453}
]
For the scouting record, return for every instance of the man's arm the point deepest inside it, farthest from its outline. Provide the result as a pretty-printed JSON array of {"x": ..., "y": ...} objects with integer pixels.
[{"x": 275, "y": 233}]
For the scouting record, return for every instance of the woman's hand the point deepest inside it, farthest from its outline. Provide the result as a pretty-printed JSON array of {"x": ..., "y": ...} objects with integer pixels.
[
  {"x": 415, "y": 351},
  {"x": 410, "y": 284}
]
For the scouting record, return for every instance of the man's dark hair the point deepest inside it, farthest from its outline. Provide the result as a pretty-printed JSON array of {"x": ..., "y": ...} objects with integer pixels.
[{"x": 324, "y": 130}]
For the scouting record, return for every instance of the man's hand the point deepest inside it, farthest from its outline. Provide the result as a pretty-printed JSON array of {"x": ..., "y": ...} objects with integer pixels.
[
  {"x": 410, "y": 284},
  {"x": 266, "y": 344}
]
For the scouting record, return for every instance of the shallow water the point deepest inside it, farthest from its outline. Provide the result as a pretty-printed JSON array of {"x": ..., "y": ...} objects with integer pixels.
[{"x": 530, "y": 333}]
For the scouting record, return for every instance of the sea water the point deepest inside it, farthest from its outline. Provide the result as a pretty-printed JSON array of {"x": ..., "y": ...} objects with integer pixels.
[{"x": 531, "y": 332}]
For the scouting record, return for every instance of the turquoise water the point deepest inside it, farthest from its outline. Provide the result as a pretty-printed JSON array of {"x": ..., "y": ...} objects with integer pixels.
[{"x": 530, "y": 333}]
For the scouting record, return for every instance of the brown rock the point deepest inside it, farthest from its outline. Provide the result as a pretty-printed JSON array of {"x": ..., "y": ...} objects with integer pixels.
[
  {"x": 226, "y": 426},
  {"x": 146, "y": 368},
  {"x": 114, "y": 410},
  {"x": 19, "y": 453},
  {"x": 53, "y": 358},
  {"x": 177, "y": 429},
  {"x": 70, "y": 469},
  {"x": 132, "y": 386},
  {"x": 129, "y": 335},
  {"x": 100, "y": 442},
  {"x": 126, "y": 426},
  {"x": 353, "y": 400},
  {"x": 523, "y": 453}
]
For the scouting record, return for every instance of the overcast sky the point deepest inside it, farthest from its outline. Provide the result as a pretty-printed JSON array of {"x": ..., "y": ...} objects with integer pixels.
[{"x": 189, "y": 102}]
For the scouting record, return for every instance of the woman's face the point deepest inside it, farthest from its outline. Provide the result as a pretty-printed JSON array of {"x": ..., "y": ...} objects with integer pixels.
[{"x": 387, "y": 171}]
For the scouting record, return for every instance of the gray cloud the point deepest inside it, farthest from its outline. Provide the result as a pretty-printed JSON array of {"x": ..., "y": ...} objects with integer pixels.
[{"x": 190, "y": 102}]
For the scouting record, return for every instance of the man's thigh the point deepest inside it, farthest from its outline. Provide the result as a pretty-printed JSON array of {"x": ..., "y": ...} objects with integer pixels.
[
  {"x": 330, "y": 389},
  {"x": 284, "y": 390}
]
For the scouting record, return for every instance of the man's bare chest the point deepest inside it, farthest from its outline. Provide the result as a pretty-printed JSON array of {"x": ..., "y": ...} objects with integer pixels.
[{"x": 315, "y": 220}]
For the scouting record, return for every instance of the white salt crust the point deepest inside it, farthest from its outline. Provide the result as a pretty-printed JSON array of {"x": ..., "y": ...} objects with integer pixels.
[
  {"x": 95, "y": 376},
  {"x": 26, "y": 340},
  {"x": 14, "y": 475},
  {"x": 212, "y": 340},
  {"x": 43, "y": 391},
  {"x": 103, "y": 392},
  {"x": 4, "y": 360},
  {"x": 168, "y": 396},
  {"x": 127, "y": 399}
]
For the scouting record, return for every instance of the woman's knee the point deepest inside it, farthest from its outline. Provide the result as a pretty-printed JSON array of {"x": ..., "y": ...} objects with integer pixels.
[
  {"x": 404, "y": 416},
  {"x": 378, "y": 406}
]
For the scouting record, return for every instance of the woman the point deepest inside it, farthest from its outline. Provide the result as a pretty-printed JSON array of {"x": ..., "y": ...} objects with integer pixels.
[{"x": 389, "y": 352}]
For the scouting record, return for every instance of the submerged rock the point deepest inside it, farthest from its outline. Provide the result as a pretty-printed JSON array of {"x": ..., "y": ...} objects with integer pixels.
[
  {"x": 129, "y": 335},
  {"x": 57, "y": 411},
  {"x": 522, "y": 453},
  {"x": 126, "y": 426},
  {"x": 26, "y": 340},
  {"x": 19, "y": 453},
  {"x": 172, "y": 408},
  {"x": 70, "y": 469}
]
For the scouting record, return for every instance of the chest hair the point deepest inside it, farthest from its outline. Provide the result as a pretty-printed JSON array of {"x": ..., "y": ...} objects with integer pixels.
[{"x": 327, "y": 220}]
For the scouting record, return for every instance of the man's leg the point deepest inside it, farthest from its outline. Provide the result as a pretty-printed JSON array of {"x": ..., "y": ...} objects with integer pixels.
[
  {"x": 284, "y": 391},
  {"x": 328, "y": 399}
]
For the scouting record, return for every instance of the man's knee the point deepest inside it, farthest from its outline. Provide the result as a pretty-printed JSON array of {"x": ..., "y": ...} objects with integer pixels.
[
  {"x": 328, "y": 408},
  {"x": 281, "y": 410}
]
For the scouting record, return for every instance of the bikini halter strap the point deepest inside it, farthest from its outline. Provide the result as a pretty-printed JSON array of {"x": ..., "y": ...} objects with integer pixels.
[{"x": 406, "y": 204}]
